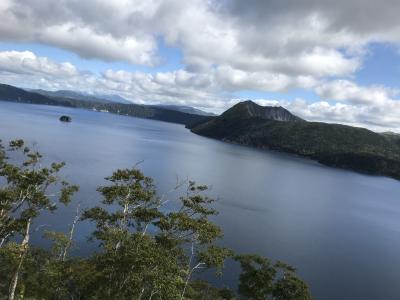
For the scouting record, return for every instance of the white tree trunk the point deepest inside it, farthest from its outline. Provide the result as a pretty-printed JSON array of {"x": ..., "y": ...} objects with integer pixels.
[
  {"x": 24, "y": 249},
  {"x": 71, "y": 234}
]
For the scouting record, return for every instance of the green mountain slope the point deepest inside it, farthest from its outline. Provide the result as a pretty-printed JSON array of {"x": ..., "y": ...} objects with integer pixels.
[{"x": 335, "y": 145}]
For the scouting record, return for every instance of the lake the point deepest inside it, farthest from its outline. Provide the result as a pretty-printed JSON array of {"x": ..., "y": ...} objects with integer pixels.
[{"x": 340, "y": 229}]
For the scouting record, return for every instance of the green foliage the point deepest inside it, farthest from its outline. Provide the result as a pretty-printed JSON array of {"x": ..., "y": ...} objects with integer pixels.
[
  {"x": 146, "y": 251},
  {"x": 137, "y": 266},
  {"x": 260, "y": 279},
  {"x": 200, "y": 289},
  {"x": 26, "y": 194},
  {"x": 141, "y": 264},
  {"x": 59, "y": 240},
  {"x": 23, "y": 199}
]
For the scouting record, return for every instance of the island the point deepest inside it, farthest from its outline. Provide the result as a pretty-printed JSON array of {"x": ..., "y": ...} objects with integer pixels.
[{"x": 65, "y": 119}]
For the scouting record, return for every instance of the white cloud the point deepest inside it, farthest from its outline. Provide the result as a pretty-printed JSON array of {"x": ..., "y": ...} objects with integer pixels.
[
  {"x": 344, "y": 90},
  {"x": 348, "y": 103},
  {"x": 92, "y": 29},
  {"x": 341, "y": 101},
  {"x": 234, "y": 79},
  {"x": 227, "y": 46},
  {"x": 27, "y": 62},
  {"x": 91, "y": 44},
  {"x": 208, "y": 33}
]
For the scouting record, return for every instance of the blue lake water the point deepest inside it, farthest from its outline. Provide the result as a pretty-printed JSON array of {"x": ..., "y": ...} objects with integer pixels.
[{"x": 340, "y": 229}]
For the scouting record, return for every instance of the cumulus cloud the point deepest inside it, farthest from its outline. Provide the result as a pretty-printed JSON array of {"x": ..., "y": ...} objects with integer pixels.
[
  {"x": 90, "y": 44},
  {"x": 227, "y": 46},
  {"x": 179, "y": 87},
  {"x": 208, "y": 32},
  {"x": 346, "y": 102},
  {"x": 27, "y": 62},
  {"x": 344, "y": 90},
  {"x": 382, "y": 117},
  {"x": 92, "y": 29},
  {"x": 342, "y": 101}
]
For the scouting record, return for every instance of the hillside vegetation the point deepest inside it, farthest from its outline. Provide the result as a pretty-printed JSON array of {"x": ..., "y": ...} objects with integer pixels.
[{"x": 335, "y": 145}]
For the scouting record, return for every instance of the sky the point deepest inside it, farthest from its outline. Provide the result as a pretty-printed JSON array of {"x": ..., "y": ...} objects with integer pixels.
[{"x": 331, "y": 61}]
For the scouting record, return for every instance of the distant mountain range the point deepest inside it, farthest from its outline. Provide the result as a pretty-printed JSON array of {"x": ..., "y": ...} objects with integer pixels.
[
  {"x": 185, "y": 109},
  {"x": 77, "y": 100},
  {"x": 334, "y": 145},
  {"x": 103, "y": 98},
  {"x": 108, "y": 98}
]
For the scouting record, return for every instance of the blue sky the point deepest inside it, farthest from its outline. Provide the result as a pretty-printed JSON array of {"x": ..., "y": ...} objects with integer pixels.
[
  {"x": 316, "y": 59},
  {"x": 381, "y": 66}
]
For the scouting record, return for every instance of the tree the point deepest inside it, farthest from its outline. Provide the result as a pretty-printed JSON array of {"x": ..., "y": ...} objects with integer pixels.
[
  {"x": 159, "y": 262},
  {"x": 25, "y": 196},
  {"x": 147, "y": 249},
  {"x": 260, "y": 280}
]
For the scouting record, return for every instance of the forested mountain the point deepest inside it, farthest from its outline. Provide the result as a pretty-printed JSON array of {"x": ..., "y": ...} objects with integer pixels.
[
  {"x": 249, "y": 109},
  {"x": 109, "y": 98},
  {"x": 70, "y": 95},
  {"x": 14, "y": 94},
  {"x": 97, "y": 97},
  {"x": 335, "y": 145}
]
